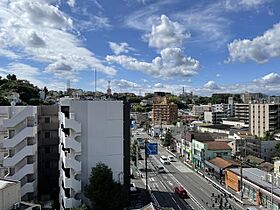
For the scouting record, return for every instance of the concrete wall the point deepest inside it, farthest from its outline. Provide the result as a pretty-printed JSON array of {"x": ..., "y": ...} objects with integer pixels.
[
  {"x": 102, "y": 135},
  {"x": 9, "y": 195}
]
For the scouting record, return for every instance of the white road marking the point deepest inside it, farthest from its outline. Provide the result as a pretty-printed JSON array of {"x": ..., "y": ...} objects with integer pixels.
[
  {"x": 176, "y": 203},
  {"x": 170, "y": 183}
]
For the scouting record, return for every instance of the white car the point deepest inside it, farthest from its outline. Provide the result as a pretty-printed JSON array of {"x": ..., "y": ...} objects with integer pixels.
[
  {"x": 171, "y": 158},
  {"x": 164, "y": 160}
]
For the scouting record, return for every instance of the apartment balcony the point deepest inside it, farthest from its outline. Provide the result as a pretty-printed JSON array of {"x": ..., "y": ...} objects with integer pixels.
[
  {"x": 70, "y": 142},
  {"x": 24, "y": 171},
  {"x": 68, "y": 202},
  {"x": 71, "y": 162},
  {"x": 19, "y": 117},
  {"x": 19, "y": 137},
  {"x": 29, "y": 187},
  {"x": 70, "y": 122},
  {"x": 71, "y": 182},
  {"x": 24, "y": 152}
]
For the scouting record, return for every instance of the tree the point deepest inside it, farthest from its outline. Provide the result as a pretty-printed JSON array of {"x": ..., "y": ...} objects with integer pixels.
[
  {"x": 103, "y": 191},
  {"x": 11, "y": 77},
  {"x": 81, "y": 207},
  {"x": 133, "y": 151},
  {"x": 167, "y": 139}
]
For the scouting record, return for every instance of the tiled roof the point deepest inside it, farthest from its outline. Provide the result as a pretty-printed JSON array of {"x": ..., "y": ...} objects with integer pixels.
[
  {"x": 223, "y": 163},
  {"x": 218, "y": 145}
]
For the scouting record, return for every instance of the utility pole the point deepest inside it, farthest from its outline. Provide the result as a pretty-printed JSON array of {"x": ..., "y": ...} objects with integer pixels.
[
  {"x": 272, "y": 179},
  {"x": 146, "y": 164}
]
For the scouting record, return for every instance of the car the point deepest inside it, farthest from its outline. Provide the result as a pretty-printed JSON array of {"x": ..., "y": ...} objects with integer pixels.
[
  {"x": 171, "y": 158},
  {"x": 160, "y": 169},
  {"x": 133, "y": 187},
  {"x": 181, "y": 192},
  {"x": 164, "y": 160}
]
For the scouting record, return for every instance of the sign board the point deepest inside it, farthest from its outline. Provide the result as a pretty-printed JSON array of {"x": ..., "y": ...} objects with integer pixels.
[{"x": 151, "y": 148}]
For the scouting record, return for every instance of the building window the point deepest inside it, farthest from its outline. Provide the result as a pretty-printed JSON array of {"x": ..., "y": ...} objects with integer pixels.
[
  {"x": 47, "y": 135},
  {"x": 47, "y": 120},
  {"x": 47, "y": 164}
]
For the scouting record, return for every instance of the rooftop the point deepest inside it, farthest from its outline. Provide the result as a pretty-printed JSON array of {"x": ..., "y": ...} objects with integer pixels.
[
  {"x": 218, "y": 145},
  {"x": 223, "y": 163},
  {"x": 218, "y": 126},
  {"x": 6, "y": 183},
  {"x": 255, "y": 175}
]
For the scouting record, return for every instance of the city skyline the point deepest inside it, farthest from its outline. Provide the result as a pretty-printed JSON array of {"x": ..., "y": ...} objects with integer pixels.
[{"x": 144, "y": 45}]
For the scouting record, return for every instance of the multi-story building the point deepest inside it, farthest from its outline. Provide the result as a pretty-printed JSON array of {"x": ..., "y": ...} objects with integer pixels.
[
  {"x": 21, "y": 144},
  {"x": 163, "y": 111},
  {"x": 214, "y": 117},
  {"x": 252, "y": 97},
  {"x": 199, "y": 110},
  {"x": 48, "y": 156},
  {"x": 241, "y": 112},
  {"x": 91, "y": 132},
  {"x": 264, "y": 118}
]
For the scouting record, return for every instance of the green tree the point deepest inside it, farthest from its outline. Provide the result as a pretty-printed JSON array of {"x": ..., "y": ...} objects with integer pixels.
[
  {"x": 103, "y": 191},
  {"x": 167, "y": 139},
  {"x": 11, "y": 77},
  {"x": 81, "y": 207},
  {"x": 133, "y": 151}
]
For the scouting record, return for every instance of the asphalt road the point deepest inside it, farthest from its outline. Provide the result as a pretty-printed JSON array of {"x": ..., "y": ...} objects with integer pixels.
[{"x": 197, "y": 187}]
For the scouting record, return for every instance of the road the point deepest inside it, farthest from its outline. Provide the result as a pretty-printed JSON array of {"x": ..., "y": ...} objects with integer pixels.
[{"x": 177, "y": 173}]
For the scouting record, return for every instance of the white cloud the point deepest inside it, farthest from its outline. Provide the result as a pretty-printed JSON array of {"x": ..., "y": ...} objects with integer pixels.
[
  {"x": 259, "y": 49},
  {"x": 170, "y": 63},
  {"x": 71, "y": 3},
  {"x": 269, "y": 79},
  {"x": 166, "y": 34},
  {"x": 23, "y": 71},
  {"x": 218, "y": 75},
  {"x": 244, "y": 4},
  {"x": 36, "y": 30},
  {"x": 159, "y": 85},
  {"x": 211, "y": 85},
  {"x": 120, "y": 48}
]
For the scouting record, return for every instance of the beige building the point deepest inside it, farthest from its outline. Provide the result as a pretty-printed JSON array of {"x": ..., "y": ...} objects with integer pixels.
[
  {"x": 163, "y": 111},
  {"x": 264, "y": 118},
  {"x": 10, "y": 196}
]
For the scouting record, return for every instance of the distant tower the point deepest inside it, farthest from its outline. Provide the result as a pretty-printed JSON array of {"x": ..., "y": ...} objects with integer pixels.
[
  {"x": 68, "y": 86},
  {"x": 183, "y": 90},
  {"x": 109, "y": 91}
]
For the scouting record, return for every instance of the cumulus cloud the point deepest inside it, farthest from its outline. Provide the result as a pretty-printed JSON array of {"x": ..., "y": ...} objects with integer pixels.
[
  {"x": 259, "y": 49},
  {"x": 170, "y": 63},
  {"x": 41, "y": 32},
  {"x": 269, "y": 79},
  {"x": 211, "y": 85},
  {"x": 122, "y": 47},
  {"x": 159, "y": 85},
  {"x": 166, "y": 34}
]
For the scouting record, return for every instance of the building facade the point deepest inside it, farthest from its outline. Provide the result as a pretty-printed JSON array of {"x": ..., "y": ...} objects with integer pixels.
[
  {"x": 21, "y": 145},
  {"x": 241, "y": 112},
  {"x": 163, "y": 111},
  {"x": 91, "y": 132},
  {"x": 215, "y": 117},
  {"x": 264, "y": 118},
  {"x": 48, "y": 156}
]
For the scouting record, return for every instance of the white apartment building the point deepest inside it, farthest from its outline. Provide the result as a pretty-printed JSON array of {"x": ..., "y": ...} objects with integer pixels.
[
  {"x": 91, "y": 132},
  {"x": 20, "y": 146},
  {"x": 264, "y": 118},
  {"x": 241, "y": 112},
  {"x": 214, "y": 117}
]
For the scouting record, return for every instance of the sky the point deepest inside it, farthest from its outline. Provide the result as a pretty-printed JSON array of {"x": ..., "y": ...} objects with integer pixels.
[{"x": 205, "y": 46}]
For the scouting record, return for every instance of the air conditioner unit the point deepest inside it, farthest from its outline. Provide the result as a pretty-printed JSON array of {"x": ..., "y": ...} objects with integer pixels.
[{"x": 269, "y": 178}]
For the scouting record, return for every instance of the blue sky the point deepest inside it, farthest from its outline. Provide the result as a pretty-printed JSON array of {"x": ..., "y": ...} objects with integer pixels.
[{"x": 143, "y": 45}]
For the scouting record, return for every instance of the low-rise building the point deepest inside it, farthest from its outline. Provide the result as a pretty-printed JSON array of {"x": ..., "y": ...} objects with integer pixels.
[
  {"x": 10, "y": 196},
  {"x": 257, "y": 185}
]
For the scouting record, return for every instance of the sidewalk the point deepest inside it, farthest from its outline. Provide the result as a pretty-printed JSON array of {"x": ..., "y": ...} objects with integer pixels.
[{"x": 236, "y": 196}]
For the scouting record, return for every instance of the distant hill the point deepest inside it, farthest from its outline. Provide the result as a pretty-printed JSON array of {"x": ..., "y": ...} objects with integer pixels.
[{"x": 28, "y": 93}]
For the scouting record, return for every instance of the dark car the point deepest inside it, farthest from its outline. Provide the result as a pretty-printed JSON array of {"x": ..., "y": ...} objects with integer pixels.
[{"x": 181, "y": 192}]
